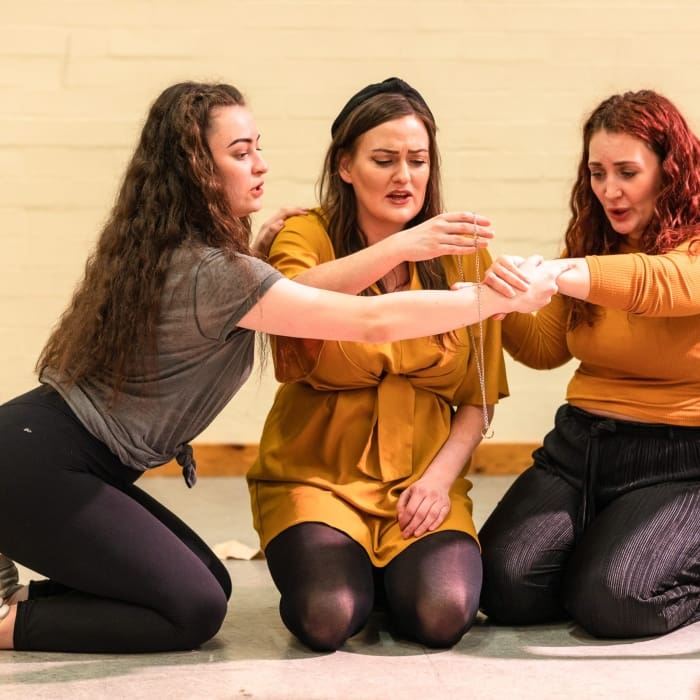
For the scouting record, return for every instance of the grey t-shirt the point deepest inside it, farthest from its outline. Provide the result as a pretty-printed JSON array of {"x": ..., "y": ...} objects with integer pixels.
[{"x": 203, "y": 359}]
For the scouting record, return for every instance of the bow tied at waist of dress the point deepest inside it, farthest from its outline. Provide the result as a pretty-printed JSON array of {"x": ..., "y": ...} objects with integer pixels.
[{"x": 388, "y": 454}]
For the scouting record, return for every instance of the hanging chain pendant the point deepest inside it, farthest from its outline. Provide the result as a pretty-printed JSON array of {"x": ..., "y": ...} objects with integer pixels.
[{"x": 487, "y": 430}]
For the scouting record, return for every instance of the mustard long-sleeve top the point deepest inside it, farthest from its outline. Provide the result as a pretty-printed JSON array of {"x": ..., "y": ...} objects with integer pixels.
[
  {"x": 354, "y": 424},
  {"x": 641, "y": 357}
]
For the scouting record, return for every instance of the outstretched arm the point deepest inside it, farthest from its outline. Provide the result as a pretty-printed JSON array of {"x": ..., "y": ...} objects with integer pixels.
[
  {"x": 506, "y": 275},
  {"x": 296, "y": 310},
  {"x": 451, "y": 233},
  {"x": 664, "y": 285},
  {"x": 661, "y": 286}
]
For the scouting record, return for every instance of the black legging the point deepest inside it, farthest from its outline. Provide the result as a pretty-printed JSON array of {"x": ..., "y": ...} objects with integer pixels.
[
  {"x": 327, "y": 586},
  {"x": 604, "y": 528},
  {"x": 126, "y": 575}
]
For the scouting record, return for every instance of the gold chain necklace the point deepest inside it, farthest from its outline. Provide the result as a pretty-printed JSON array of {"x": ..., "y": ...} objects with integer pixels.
[{"x": 487, "y": 430}]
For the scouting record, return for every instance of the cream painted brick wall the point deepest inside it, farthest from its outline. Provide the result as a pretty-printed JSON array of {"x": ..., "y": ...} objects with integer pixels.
[{"x": 509, "y": 83}]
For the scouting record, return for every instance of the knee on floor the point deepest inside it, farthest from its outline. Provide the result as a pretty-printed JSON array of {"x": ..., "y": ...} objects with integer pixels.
[
  {"x": 324, "y": 623},
  {"x": 204, "y": 616},
  {"x": 442, "y": 624},
  {"x": 520, "y": 601},
  {"x": 609, "y": 607}
]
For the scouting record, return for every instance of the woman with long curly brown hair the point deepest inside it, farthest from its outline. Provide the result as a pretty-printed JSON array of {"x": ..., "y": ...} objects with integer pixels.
[
  {"x": 159, "y": 336},
  {"x": 604, "y": 527}
]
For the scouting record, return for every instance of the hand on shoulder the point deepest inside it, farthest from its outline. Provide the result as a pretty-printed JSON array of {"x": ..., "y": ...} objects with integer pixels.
[{"x": 268, "y": 231}]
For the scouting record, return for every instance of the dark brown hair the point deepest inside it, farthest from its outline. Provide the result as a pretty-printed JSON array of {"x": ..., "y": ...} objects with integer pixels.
[
  {"x": 337, "y": 198},
  {"x": 170, "y": 195}
]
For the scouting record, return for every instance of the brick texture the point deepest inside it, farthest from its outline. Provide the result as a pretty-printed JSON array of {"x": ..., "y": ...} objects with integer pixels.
[{"x": 508, "y": 80}]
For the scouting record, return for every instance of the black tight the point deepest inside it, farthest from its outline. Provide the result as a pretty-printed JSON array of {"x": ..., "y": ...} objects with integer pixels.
[
  {"x": 432, "y": 588},
  {"x": 327, "y": 586},
  {"x": 325, "y": 579},
  {"x": 126, "y": 575}
]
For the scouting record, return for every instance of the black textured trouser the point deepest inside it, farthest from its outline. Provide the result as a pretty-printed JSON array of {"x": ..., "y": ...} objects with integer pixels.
[
  {"x": 604, "y": 528},
  {"x": 124, "y": 573}
]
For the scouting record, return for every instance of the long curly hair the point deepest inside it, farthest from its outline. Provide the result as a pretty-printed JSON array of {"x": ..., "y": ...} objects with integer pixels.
[
  {"x": 656, "y": 121},
  {"x": 170, "y": 195},
  {"x": 337, "y": 197}
]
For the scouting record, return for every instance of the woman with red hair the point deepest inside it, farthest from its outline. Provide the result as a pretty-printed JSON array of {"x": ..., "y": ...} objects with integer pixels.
[{"x": 604, "y": 527}]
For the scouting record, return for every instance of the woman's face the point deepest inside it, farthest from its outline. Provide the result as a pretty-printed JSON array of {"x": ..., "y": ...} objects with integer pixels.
[
  {"x": 626, "y": 179},
  {"x": 389, "y": 171},
  {"x": 234, "y": 143}
]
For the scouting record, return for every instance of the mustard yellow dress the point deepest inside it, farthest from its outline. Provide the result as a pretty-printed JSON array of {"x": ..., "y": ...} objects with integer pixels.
[{"x": 355, "y": 424}]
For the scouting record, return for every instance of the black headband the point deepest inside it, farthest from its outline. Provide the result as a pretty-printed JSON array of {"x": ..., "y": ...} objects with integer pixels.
[{"x": 392, "y": 86}]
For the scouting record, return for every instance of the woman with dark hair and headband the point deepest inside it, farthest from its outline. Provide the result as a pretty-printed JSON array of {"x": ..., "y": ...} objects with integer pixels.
[
  {"x": 157, "y": 339},
  {"x": 604, "y": 528},
  {"x": 359, "y": 492}
]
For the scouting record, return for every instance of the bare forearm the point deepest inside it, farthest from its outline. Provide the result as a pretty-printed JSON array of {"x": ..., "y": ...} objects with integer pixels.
[
  {"x": 464, "y": 438},
  {"x": 576, "y": 280},
  {"x": 439, "y": 309},
  {"x": 353, "y": 273},
  {"x": 450, "y": 233},
  {"x": 297, "y": 310},
  {"x": 425, "y": 504},
  {"x": 508, "y": 274}
]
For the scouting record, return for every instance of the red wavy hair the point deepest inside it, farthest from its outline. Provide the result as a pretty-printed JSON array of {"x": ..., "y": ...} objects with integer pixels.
[{"x": 654, "y": 119}]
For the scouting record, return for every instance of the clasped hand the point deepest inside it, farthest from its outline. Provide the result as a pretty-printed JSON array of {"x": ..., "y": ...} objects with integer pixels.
[
  {"x": 423, "y": 506},
  {"x": 510, "y": 274},
  {"x": 532, "y": 279}
]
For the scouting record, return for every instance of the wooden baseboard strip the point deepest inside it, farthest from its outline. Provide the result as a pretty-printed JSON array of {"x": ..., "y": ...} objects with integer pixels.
[{"x": 235, "y": 460}]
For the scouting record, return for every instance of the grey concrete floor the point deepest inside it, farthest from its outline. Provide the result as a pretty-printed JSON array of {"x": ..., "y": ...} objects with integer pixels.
[{"x": 255, "y": 657}]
